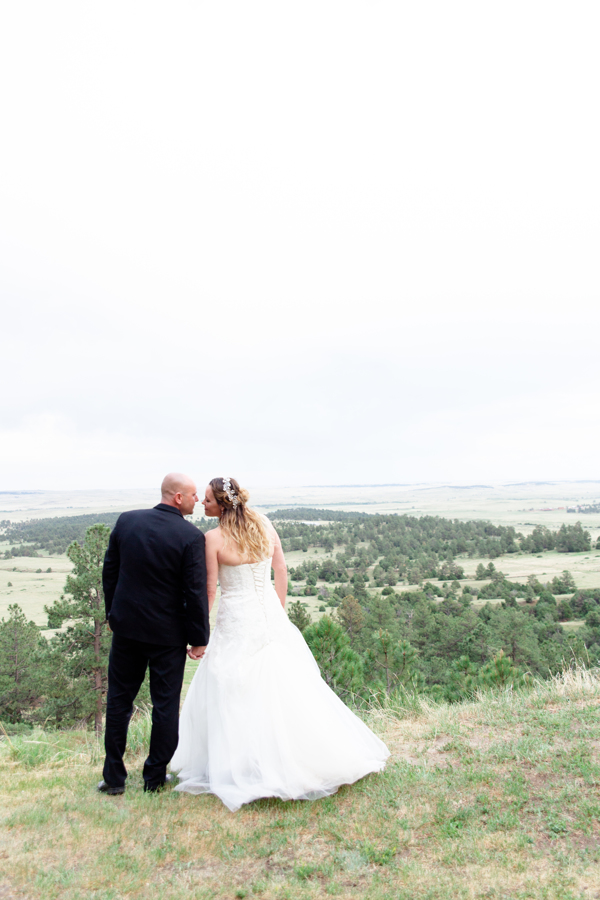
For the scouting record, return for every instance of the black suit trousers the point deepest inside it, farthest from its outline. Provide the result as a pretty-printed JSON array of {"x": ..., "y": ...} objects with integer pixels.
[{"x": 127, "y": 666}]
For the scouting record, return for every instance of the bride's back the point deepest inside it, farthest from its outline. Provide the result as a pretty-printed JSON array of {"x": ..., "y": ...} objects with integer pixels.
[
  {"x": 242, "y": 537},
  {"x": 229, "y": 554}
]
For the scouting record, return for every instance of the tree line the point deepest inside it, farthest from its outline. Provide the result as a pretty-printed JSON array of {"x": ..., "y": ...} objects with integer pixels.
[
  {"x": 432, "y": 639},
  {"x": 447, "y": 648},
  {"x": 423, "y": 541},
  {"x": 53, "y": 535},
  {"x": 384, "y": 550}
]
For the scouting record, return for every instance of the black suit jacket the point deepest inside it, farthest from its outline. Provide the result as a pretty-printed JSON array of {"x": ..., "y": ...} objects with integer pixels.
[{"x": 154, "y": 578}]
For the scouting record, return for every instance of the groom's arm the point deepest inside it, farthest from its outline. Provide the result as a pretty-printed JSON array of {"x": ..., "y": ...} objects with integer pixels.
[
  {"x": 194, "y": 593},
  {"x": 110, "y": 570}
]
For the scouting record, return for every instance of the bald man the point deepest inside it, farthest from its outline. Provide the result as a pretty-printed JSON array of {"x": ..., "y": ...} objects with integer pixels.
[{"x": 154, "y": 580}]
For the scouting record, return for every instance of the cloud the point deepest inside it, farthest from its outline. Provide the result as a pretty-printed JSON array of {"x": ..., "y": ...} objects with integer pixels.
[{"x": 311, "y": 241}]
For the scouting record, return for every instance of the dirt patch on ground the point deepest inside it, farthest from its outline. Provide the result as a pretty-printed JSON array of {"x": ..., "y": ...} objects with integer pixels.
[
  {"x": 8, "y": 892},
  {"x": 579, "y": 703},
  {"x": 444, "y": 749},
  {"x": 421, "y": 753}
]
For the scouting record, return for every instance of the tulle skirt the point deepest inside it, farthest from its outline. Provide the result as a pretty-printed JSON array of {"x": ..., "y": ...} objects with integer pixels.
[{"x": 259, "y": 721}]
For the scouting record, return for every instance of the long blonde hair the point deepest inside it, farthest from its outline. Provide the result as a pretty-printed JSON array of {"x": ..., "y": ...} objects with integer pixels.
[{"x": 239, "y": 523}]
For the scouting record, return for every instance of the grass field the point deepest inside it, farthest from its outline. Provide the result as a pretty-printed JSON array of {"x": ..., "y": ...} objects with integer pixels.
[
  {"x": 585, "y": 567},
  {"x": 21, "y": 583},
  {"x": 497, "y": 798}
]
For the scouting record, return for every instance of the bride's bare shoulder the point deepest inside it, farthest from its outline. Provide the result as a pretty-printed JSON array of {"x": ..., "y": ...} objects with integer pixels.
[
  {"x": 214, "y": 537},
  {"x": 272, "y": 533}
]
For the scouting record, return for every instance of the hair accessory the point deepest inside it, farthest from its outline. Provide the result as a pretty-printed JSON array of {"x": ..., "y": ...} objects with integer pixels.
[{"x": 230, "y": 493}]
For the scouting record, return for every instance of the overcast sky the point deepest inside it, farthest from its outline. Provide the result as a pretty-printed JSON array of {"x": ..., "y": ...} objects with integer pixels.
[{"x": 322, "y": 242}]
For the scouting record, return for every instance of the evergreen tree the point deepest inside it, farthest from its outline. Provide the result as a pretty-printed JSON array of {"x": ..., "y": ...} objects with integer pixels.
[
  {"x": 381, "y": 615},
  {"x": 536, "y": 586},
  {"x": 20, "y": 647},
  {"x": 563, "y": 584},
  {"x": 298, "y": 615},
  {"x": 500, "y": 672},
  {"x": 392, "y": 660},
  {"x": 351, "y": 617},
  {"x": 462, "y": 678},
  {"x": 591, "y": 632},
  {"x": 514, "y": 631},
  {"x": 540, "y": 539},
  {"x": 79, "y": 655},
  {"x": 546, "y": 607},
  {"x": 341, "y": 667},
  {"x": 572, "y": 539},
  {"x": 478, "y": 643},
  {"x": 456, "y": 623},
  {"x": 423, "y": 633},
  {"x": 565, "y": 611}
]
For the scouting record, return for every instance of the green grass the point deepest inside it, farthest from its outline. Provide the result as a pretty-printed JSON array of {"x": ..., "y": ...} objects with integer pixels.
[{"x": 497, "y": 798}]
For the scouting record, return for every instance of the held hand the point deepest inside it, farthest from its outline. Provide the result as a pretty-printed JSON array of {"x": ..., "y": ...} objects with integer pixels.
[{"x": 196, "y": 652}]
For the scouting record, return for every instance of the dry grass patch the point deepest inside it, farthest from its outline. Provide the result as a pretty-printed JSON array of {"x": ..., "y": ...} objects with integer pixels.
[{"x": 496, "y": 798}]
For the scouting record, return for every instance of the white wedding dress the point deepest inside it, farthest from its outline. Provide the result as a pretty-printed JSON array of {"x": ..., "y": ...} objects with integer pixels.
[{"x": 258, "y": 720}]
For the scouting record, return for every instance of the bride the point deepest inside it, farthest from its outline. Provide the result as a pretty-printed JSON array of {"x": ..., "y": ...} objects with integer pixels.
[{"x": 258, "y": 719}]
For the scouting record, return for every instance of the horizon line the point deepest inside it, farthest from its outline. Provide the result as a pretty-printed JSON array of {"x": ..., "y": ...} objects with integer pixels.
[{"x": 439, "y": 484}]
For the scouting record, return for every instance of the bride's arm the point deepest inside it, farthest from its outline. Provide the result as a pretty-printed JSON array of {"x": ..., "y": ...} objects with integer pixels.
[
  {"x": 212, "y": 544},
  {"x": 279, "y": 566}
]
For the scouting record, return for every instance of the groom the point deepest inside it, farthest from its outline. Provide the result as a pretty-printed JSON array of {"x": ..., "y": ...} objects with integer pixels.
[{"x": 154, "y": 581}]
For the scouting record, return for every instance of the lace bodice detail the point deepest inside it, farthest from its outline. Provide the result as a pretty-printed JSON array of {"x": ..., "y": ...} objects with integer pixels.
[
  {"x": 249, "y": 608},
  {"x": 245, "y": 577}
]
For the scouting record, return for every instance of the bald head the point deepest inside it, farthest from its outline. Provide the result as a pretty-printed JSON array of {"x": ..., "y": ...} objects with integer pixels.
[
  {"x": 174, "y": 482},
  {"x": 179, "y": 490}
]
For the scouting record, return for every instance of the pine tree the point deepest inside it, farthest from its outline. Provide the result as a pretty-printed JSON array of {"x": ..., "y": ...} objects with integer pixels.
[
  {"x": 341, "y": 667},
  {"x": 515, "y": 633},
  {"x": 424, "y": 628},
  {"x": 394, "y": 660},
  {"x": 79, "y": 655},
  {"x": 351, "y": 617},
  {"x": 478, "y": 643},
  {"x": 565, "y": 611},
  {"x": 298, "y": 615},
  {"x": 572, "y": 539},
  {"x": 563, "y": 584},
  {"x": 381, "y": 614},
  {"x": 462, "y": 680},
  {"x": 20, "y": 647},
  {"x": 500, "y": 672}
]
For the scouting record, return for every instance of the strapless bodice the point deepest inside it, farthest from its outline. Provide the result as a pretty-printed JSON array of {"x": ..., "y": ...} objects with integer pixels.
[
  {"x": 245, "y": 577},
  {"x": 249, "y": 608}
]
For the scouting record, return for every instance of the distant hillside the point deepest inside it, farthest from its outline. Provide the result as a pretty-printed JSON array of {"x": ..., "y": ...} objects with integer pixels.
[
  {"x": 307, "y": 513},
  {"x": 54, "y": 534}
]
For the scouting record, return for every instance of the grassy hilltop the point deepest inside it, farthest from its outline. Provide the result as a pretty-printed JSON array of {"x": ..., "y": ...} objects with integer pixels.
[{"x": 493, "y": 798}]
